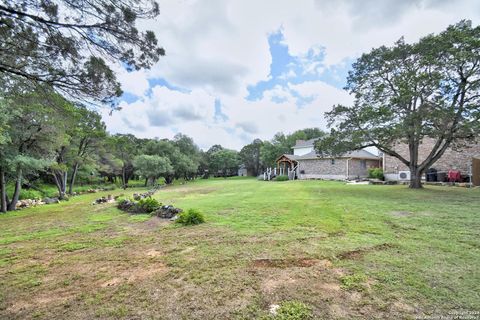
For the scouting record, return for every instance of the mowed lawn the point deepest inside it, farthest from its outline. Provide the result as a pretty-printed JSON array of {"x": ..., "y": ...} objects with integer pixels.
[{"x": 349, "y": 252}]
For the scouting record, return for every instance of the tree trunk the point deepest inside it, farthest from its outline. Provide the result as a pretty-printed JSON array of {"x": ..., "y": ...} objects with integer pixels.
[
  {"x": 3, "y": 191},
  {"x": 59, "y": 177},
  {"x": 64, "y": 183},
  {"x": 415, "y": 178},
  {"x": 16, "y": 194},
  {"x": 72, "y": 179},
  {"x": 124, "y": 184}
]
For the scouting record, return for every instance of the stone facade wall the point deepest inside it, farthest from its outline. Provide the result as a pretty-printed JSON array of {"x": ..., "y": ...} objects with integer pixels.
[
  {"x": 357, "y": 169},
  {"x": 324, "y": 169},
  {"x": 451, "y": 159}
]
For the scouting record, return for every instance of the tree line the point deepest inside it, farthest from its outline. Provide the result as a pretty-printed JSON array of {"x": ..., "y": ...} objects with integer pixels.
[{"x": 44, "y": 136}]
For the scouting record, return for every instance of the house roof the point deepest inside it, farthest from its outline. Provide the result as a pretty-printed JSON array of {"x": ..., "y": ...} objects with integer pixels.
[
  {"x": 356, "y": 154},
  {"x": 288, "y": 156},
  {"x": 304, "y": 143}
]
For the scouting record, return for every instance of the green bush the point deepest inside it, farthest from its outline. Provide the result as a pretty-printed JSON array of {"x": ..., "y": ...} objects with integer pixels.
[
  {"x": 148, "y": 205},
  {"x": 281, "y": 178},
  {"x": 293, "y": 310},
  {"x": 109, "y": 187},
  {"x": 375, "y": 173},
  {"x": 190, "y": 217},
  {"x": 30, "y": 194},
  {"x": 353, "y": 282},
  {"x": 122, "y": 199}
]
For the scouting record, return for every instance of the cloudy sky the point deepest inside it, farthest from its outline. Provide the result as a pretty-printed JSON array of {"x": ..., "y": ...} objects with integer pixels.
[{"x": 236, "y": 70}]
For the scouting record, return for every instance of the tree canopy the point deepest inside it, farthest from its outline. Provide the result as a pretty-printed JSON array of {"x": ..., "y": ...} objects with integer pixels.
[
  {"x": 408, "y": 92},
  {"x": 69, "y": 44}
]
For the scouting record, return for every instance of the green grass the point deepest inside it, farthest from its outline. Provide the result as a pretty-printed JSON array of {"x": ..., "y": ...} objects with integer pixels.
[{"x": 349, "y": 252}]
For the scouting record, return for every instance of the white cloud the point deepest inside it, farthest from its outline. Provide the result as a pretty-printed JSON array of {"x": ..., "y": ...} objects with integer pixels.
[
  {"x": 216, "y": 49},
  {"x": 134, "y": 82}
]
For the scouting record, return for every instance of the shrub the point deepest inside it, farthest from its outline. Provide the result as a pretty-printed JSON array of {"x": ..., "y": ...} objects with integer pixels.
[
  {"x": 30, "y": 194},
  {"x": 109, "y": 187},
  {"x": 281, "y": 178},
  {"x": 190, "y": 217},
  {"x": 375, "y": 173},
  {"x": 121, "y": 199},
  {"x": 148, "y": 205},
  {"x": 293, "y": 310},
  {"x": 353, "y": 282}
]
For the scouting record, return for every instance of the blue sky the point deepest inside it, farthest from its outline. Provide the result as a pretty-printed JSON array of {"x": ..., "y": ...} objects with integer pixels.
[
  {"x": 238, "y": 70},
  {"x": 286, "y": 69}
]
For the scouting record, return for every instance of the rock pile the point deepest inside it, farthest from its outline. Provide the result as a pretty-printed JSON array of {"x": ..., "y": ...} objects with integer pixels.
[
  {"x": 148, "y": 194},
  {"x": 126, "y": 205},
  {"x": 167, "y": 212},
  {"x": 51, "y": 200},
  {"x": 28, "y": 203},
  {"x": 107, "y": 199}
]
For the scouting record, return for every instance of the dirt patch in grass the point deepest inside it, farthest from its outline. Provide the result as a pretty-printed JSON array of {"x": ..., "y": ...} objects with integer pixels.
[
  {"x": 55, "y": 297},
  {"x": 150, "y": 225},
  {"x": 288, "y": 263},
  {"x": 401, "y": 213},
  {"x": 359, "y": 253},
  {"x": 134, "y": 275}
]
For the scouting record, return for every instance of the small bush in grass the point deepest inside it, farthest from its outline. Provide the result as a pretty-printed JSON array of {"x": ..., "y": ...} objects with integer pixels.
[
  {"x": 353, "y": 282},
  {"x": 281, "y": 178},
  {"x": 148, "y": 205},
  {"x": 122, "y": 199},
  {"x": 190, "y": 217},
  {"x": 293, "y": 310},
  {"x": 375, "y": 173}
]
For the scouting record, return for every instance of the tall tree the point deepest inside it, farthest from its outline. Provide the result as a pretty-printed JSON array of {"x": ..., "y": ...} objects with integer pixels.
[
  {"x": 69, "y": 44},
  {"x": 35, "y": 129},
  {"x": 87, "y": 136},
  {"x": 225, "y": 161},
  {"x": 411, "y": 91},
  {"x": 250, "y": 155},
  {"x": 152, "y": 167},
  {"x": 125, "y": 149}
]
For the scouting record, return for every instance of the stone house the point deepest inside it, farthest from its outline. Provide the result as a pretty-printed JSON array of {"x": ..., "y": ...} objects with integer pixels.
[
  {"x": 466, "y": 160},
  {"x": 310, "y": 165}
]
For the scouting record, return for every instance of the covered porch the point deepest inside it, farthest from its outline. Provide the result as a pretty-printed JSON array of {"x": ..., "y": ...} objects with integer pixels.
[{"x": 286, "y": 165}]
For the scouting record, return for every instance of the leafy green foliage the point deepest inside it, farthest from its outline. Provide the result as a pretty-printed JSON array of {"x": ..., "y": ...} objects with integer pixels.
[
  {"x": 152, "y": 167},
  {"x": 409, "y": 92},
  {"x": 224, "y": 162},
  {"x": 375, "y": 173},
  {"x": 182, "y": 153},
  {"x": 65, "y": 44},
  {"x": 250, "y": 156},
  {"x": 281, "y": 178},
  {"x": 148, "y": 205},
  {"x": 353, "y": 282},
  {"x": 190, "y": 217},
  {"x": 293, "y": 310}
]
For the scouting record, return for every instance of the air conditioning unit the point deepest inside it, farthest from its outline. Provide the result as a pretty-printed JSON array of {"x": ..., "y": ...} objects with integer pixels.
[{"x": 404, "y": 175}]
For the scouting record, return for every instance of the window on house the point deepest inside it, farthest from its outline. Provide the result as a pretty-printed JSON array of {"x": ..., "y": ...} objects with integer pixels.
[
  {"x": 332, "y": 161},
  {"x": 363, "y": 164}
]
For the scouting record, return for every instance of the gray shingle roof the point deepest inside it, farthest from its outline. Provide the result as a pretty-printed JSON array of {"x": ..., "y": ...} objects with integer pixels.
[{"x": 289, "y": 156}]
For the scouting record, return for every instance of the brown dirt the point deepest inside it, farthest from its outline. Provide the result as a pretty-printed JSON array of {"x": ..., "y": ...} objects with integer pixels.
[
  {"x": 287, "y": 263},
  {"x": 359, "y": 253},
  {"x": 56, "y": 297}
]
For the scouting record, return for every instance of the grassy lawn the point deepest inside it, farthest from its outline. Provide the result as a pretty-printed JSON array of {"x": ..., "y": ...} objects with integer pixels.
[{"x": 347, "y": 251}]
